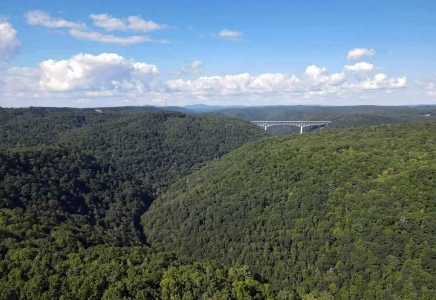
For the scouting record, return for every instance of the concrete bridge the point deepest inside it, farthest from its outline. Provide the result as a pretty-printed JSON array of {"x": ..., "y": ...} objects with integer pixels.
[{"x": 301, "y": 124}]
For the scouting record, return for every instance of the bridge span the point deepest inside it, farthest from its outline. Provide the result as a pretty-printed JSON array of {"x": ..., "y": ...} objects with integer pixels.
[{"x": 301, "y": 124}]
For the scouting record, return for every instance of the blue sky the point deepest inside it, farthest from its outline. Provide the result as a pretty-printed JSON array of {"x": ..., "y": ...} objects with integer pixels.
[{"x": 98, "y": 53}]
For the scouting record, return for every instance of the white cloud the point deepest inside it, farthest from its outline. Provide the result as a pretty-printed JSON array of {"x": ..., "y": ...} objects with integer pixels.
[
  {"x": 108, "y": 22},
  {"x": 361, "y": 67},
  {"x": 135, "y": 23},
  {"x": 397, "y": 83},
  {"x": 80, "y": 31},
  {"x": 229, "y": 34},
  {"x": 38, "y": 17},
  {"x": 109, "y": 79},
  {"x": 138, "y": 24},
  {"x": 358, "y": 53},
  {"x": 317, "y": 76},
  {"x": 236, "y": 84},
  {"x": 319, "y": 85},
  {"x": 109, "y": 38},
  {"x": 190, "y": 67},
  {"x": 380, "y": 81},
  {"x": 88, "y": 72},
  {"x": 275, "y": 82},
  {"x": 9, "y": 43}
]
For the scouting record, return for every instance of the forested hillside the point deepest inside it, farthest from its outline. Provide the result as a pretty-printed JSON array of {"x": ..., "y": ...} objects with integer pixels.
[
  {"x": 341, "y": 116},
  {"x": 67, "y": 229},
  {"x": 338, "y": 214},
  {"x": 151, "y": 144},
  {"x": 73, "y": 185},
  {"x": 342, "y": 214}
]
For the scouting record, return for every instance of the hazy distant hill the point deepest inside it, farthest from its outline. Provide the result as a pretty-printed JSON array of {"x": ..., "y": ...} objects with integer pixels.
[
  {"x": 342, "y": 116},
  {"x": 201, "y": 108},
  {"x": 343, "y": 214}
]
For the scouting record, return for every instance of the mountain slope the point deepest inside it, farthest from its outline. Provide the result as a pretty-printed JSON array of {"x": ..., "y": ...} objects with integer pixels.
[
  {"x": 106, "y": 170},
  {"x": 160, "y": 147},
  {"x": 73, "y": 185},
  {"x": 343, "y": 214}
]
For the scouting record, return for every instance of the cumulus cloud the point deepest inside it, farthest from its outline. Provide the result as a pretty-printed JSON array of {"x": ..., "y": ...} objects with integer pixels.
[
  {"x": 361, "y": 67},
  {"x": 38, "y": 17},
  {"x": 380, "y": 81},
  {"x": 358, "y": 53},
  {"x": 88, "y": 72},
  {"x": 275, "y": 82},
  {"x": 9, "y": 43},
  {"x": 135, "y": 23},
  {"x": 229, "y": 34},
  {"x": 109, "y": 38},
  {"x": 318, "y": 76},
  {"x": 190, "y": 67},
  {"x": 234, "y": 84},
  {"x": 110, "y": 79}
]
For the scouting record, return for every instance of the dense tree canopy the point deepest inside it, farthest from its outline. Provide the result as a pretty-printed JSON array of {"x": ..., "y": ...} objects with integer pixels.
[
  {"x": 340, "y": 214},
  {"x": 73, "y": 184}
]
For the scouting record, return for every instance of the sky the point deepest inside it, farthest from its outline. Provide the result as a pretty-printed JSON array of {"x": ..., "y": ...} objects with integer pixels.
[{"x": 279, "y": 52}]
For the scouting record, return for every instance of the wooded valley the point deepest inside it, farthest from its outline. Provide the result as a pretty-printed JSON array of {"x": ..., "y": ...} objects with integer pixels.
[{"x": 146, "y": 203}]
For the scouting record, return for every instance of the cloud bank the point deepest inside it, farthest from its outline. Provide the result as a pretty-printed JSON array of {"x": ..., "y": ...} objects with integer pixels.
[
  {"x": 107, "y": 71},
  {"x": 109, "y": 79}
]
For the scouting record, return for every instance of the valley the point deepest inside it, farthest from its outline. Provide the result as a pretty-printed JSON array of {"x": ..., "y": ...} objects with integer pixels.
[{"x": 146, "y": 203}]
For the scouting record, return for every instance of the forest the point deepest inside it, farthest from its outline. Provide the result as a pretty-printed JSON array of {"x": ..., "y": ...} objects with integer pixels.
[
  {"x": 344, "y": 214},
  {"x": 146, "y": 203}
]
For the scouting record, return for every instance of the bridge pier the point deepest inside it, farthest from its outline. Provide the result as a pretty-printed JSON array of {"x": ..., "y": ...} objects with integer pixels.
[{"x": 301, "y": 129}]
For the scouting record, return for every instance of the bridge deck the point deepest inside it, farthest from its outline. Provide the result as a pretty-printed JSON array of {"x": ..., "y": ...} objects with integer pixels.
[{"x": 301, "y": 124}]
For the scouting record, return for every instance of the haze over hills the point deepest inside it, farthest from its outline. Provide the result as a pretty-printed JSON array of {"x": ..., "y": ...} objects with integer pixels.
[
  {"x": 208, "y": 108},
  {"x": 341, "y": 116}
]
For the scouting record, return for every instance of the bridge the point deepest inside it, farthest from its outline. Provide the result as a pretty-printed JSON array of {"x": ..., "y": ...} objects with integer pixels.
[{"x": 301, "y": 124}]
